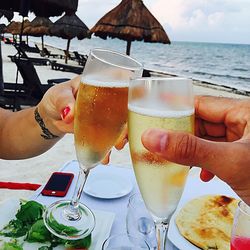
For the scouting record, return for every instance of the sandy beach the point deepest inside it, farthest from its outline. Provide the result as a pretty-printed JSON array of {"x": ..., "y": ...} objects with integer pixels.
[{"x": 38, "y": 169}]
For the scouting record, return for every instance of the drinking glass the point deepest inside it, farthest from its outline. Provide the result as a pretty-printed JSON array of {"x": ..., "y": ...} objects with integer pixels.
[
  {"x": 240, "y": 239},
  {"x": 139, "y": 222},
  {"x": 165, "y": 103},
  {"x": 99, "y": 118},
  {"x": 125, "y": 242}
]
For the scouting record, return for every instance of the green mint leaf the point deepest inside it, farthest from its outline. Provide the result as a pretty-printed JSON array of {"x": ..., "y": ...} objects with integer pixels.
[{"x": 30, "y": 212}]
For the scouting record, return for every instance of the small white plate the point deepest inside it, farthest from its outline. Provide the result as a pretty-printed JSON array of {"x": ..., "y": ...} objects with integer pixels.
[
  {"x": 107, "y": 184},
  {"x": 194, "y": 188}
]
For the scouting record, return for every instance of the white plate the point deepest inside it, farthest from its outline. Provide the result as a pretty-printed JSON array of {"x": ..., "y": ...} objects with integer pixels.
[
  {"x": 193, "y": 189},
  {"x": 107, "y": 184},
  {"x": 104, "y": 221}
]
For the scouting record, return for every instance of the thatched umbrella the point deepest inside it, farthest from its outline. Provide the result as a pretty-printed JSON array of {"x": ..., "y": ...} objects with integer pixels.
[
  {"x": 130, "y": 21},
  {"x": 15, "y": 27},
  {"x": 2, "y": 28},
  {"x": 7, "y": 13},
  {"x": 39, "y": 27},
  {"x": 46, "y": 8},
  {"x": 68, "y": 27}
]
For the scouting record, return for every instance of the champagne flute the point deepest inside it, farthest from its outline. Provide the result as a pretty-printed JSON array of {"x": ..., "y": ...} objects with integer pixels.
[
  {"x": 165, "y": 103},
  {"x": 240, "y": 239},
  {"x": 99, "y": 118},
  {"x": 139, "y": 222}
]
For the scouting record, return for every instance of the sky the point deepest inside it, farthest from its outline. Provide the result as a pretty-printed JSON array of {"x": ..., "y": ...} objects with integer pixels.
[{"x": 223, "y": 21}]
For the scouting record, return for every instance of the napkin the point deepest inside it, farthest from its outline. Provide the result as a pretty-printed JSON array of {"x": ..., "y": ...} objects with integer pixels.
[{"x": 18, "y": 185}]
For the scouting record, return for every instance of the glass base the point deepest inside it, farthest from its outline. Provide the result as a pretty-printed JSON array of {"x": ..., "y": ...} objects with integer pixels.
[{"x": 61, "y": 219}]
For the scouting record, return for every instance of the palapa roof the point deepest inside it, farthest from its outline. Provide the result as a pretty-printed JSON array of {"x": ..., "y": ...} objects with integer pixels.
[
  {"x": 44, "y": 8},
  {"x": 15, "y": 27},
  {"x": 69, "y": 27},
  {"x": 130, "y": 20},
  {"x": 7, "y": 13},
  {"x": 39, "y": 26},
  {"x": 2, "y": 28}
]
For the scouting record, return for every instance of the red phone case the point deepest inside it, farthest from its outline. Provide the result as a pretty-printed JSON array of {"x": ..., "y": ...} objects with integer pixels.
[{"x": 54, "y": 192}]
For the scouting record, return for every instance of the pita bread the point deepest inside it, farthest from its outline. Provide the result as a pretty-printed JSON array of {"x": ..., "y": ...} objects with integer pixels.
[{"x": 207, "y": 221}]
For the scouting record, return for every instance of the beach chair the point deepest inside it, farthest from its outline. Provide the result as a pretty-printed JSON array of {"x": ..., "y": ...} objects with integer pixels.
[
  {"x": 22, "y": 53},
  {"x": 47, "y": 53},
  {"x": 14, "y": 96},
  {"x": 8, "y": 40},
  {"x": 71, "y": 55},
  {"x": 82, "y": 59},
  {"x": 28, "y": 93},
  {"x": 146, "y": 73},
  {"x": 28, "y": 48},
  {"x": 66, "y": 68}
]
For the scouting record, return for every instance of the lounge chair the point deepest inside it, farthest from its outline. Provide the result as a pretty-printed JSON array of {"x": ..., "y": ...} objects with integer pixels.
[
  {"x": 28, "y": 48},
  {"x": 82, "y": 59},
  {"x": 71, "y": 56},
  {"x": 146, "y": 73},
  {"x": 47, "y": 53},
  {"x": 13, "y": 96},
  {"x": 8, "y": 40},
  {"x": 22, "y": 53},
  {"x": 67, "y": 68},
  {"x": 31, "y": 91}
]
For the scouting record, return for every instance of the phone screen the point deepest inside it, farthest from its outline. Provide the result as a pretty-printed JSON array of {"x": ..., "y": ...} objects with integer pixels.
[{"x": 58, "y": 184}]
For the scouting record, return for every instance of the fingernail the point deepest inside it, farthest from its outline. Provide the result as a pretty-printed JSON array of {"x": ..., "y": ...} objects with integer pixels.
[
  {"x": 125, "y": 141},
  {"x": 155, "y": 140},
  {"x": 65, "y": 111}
]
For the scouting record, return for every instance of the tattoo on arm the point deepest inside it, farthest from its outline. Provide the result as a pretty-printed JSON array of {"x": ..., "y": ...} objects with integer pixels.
[{"x": 46, "y": 134}]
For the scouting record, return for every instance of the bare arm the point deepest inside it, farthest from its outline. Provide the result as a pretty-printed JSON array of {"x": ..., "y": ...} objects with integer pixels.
[{"x": 20, "y": 132}]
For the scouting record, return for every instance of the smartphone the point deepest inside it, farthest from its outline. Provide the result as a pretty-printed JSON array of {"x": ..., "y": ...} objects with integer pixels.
[{"x": 58, "y": 184}]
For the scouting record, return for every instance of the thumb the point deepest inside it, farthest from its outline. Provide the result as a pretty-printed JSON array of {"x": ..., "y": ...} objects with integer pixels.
[{"x": 186, "y": 149}]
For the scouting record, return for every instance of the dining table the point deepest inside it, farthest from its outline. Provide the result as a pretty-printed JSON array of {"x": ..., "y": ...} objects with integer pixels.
[
  {"x": 109, "y": 202},
  {"x": 107, "y": 191}
]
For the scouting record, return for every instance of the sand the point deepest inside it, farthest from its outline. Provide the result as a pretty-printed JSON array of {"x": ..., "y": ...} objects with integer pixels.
[{"x": 38, "y": 169}]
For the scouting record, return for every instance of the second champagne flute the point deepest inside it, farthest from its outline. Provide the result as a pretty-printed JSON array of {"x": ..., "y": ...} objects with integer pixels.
[
  {"x": 164, "y": 103},
  {"x": 99, "y": 118}
]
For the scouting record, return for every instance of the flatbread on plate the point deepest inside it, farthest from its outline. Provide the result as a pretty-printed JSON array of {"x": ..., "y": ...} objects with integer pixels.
[{"x": 207, "y": 221}]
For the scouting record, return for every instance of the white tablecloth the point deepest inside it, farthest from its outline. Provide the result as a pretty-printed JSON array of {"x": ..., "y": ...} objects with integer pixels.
[{"x": 117, "y": 206}]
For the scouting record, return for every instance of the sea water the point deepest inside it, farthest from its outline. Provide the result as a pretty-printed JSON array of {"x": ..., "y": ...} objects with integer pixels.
[{"x": 223, "y": 64}]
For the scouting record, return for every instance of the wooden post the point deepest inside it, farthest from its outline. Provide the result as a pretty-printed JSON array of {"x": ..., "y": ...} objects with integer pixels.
[
  {"x": 128, "y": 47},
  {"x": 1, "y": 69},
  {"x": 67, "y": 51},
  {"x": 42, "y": 43}
]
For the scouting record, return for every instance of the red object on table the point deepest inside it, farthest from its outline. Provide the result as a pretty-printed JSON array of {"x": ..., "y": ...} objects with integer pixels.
[
  {"x": 240, "y": 243},
  {"x": 17, "y": 185}
]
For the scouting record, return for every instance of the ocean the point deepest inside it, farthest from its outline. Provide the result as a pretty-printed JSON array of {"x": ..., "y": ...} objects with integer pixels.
[{"x": 222, "y": 64}]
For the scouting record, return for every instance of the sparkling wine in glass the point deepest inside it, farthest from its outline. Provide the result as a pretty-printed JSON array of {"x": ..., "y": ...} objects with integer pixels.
[
  {"x": 99, "y": 118},
  {"x": 165, "y": 103},
  {"x": 240, "y": 239}
]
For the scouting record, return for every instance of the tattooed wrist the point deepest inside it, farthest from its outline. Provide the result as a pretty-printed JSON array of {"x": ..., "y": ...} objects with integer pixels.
[{"x": 46, "y": 134}]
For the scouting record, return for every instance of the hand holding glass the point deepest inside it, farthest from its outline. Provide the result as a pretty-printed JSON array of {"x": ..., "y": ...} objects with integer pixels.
[
  {"x": 100, "y": 116},
  {"x": 165, "y": 103}
]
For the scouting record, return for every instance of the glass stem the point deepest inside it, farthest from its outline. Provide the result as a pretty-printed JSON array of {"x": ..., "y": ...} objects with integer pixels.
[
  {"x": 161, "y": 234},
  {"x": 72, "y": 212}
]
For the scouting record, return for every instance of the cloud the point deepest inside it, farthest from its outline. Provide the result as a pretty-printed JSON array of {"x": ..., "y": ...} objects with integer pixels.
[
  {"x": 182, "y": 14},
  {"x": 207, "y": 19}
]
